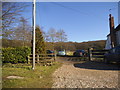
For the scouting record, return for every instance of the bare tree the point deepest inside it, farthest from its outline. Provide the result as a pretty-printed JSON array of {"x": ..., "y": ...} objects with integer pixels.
[
  {"x": 10, "y": 13},
  {"x": 57, "y": 36},
  {"x": 45, "y": 35},
  {"x": 23, "y": 31},
  {"x": 61, "y": 36},
  {"x": 52, "y": 35}
]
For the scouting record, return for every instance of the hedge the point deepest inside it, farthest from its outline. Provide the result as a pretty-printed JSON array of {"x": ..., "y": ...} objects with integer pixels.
[{"x": 15, "y": 55}]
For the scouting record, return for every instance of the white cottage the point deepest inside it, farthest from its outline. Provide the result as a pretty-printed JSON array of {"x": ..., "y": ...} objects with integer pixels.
[{"x": 117, "y": 35}]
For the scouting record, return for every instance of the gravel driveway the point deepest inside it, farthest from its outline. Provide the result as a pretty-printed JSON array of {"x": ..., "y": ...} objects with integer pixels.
[{"x": 86, "y": 74}]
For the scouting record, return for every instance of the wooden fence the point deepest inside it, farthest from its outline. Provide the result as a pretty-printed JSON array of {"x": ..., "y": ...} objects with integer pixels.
[
  {"x": 46, "y": 59},
  {"x": 96, "y": 54}
]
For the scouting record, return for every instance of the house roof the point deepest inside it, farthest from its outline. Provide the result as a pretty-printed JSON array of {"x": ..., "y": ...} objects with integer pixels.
[
  {"x": 117, "y": 28},
  {"x": 108, "y": 35}
]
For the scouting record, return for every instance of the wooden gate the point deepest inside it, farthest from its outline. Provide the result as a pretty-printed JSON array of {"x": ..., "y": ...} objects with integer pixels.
[
  {"x": 96, "y": 54},
  {"x": 46, "y": 59}
]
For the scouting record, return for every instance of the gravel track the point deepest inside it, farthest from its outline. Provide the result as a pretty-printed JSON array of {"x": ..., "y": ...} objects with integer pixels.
[{"x": 85, "y": 74}]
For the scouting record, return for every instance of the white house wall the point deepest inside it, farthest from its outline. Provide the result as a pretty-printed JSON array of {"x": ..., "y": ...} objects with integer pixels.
[
  {"x": 118, "y": 37},
  {"x": 108, "y": 43}
]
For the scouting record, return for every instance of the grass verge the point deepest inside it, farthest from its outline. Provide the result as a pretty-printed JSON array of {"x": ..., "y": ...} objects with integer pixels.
[{"x": 41, "y": 77}]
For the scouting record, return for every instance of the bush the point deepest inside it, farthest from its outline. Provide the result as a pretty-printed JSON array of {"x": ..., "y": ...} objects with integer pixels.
[{"x": 15, "y": 55}]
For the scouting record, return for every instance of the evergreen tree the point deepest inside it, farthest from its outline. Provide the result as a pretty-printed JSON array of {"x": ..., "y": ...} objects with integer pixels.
[{"x": 40, "y": 44}]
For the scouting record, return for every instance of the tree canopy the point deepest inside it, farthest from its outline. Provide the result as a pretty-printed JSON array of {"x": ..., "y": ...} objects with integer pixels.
[{"x": 39, "y": 44}]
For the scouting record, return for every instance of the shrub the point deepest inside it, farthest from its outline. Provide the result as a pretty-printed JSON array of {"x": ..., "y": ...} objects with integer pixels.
[{"x": 15, "y": 55}]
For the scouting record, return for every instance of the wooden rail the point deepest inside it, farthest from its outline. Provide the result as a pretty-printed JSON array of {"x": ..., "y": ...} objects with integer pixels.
[
  {"x": 45, "y": 59},
  {"x": 96, "y": 53}
]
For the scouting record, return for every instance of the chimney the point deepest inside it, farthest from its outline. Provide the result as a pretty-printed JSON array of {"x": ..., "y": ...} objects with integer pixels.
[{"x": 112, "y": 31}]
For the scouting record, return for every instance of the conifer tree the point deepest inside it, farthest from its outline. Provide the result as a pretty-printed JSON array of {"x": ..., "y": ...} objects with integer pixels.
[{"x": 40, "y": 44}]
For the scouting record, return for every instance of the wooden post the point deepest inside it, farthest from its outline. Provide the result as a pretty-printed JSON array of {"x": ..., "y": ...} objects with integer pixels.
[
  {"x": 28, "y": 61},
  {"x": 37, "y": 58},
  {"x": 90, "y": 54},
  {"x": 55, "y": 56}
]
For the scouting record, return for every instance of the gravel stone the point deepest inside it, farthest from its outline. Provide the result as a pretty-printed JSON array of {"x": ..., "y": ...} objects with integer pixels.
[{"x": 69, "y": 76}]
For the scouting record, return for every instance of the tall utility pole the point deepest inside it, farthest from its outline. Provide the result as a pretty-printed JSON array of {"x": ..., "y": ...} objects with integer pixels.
[{"x": 34, "y": 25}]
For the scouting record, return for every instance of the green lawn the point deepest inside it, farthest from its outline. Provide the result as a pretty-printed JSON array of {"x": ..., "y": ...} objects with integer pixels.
[{"x": 41, "y": 77}]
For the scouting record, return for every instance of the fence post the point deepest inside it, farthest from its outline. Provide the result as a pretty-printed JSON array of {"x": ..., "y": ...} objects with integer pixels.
[
  {"x": 28, "y": 61},
  {"x": 37, "y": 58},
  {"x": 55, "y": 56},
  {"x": 90, "y": 53}
]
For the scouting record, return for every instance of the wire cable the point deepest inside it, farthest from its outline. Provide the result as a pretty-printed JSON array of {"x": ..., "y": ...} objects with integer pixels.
[{"x": 78, "y": 11}]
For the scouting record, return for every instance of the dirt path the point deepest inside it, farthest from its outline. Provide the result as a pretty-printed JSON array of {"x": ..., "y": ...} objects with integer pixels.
[{"x": 86, "y": 75}]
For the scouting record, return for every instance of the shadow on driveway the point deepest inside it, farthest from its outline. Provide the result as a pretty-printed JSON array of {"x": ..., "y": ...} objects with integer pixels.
[{"x": 97, "y": 65}]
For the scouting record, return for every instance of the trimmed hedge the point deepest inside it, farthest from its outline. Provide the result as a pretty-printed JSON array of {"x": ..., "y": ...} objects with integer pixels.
[{"x": 15, "y": 55}]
